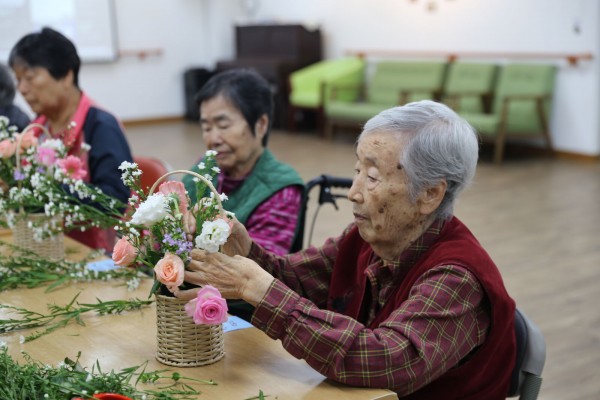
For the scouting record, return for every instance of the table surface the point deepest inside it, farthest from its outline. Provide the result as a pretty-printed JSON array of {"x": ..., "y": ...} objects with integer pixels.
[{"x": 252, "y": 360}]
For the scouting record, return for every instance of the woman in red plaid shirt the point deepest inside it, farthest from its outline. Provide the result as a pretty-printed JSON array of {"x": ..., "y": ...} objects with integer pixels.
[{"x": 405, "y": 298}]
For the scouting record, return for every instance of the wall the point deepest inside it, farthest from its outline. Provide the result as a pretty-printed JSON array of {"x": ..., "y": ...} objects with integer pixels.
[
  {"x": 471, "y": 26},
  {"x": 197, "y": 33}
]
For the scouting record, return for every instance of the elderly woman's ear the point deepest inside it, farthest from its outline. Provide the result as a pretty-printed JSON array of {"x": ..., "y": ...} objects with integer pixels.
[
  {"x": 430, "y": 199},
  {"x": 261, "y": 126}
]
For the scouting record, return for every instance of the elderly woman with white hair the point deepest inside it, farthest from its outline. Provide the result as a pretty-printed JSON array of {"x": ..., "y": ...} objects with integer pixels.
[{"x": 406, "y": 298}]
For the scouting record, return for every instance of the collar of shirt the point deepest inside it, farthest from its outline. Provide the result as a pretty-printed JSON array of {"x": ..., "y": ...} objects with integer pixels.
[
  {"x": 384, "y": 277},
  {"x": 226, "y": 184}
]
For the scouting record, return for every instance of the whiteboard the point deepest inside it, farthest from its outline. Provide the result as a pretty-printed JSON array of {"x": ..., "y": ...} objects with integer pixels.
[{"x": 89, "y": 24}]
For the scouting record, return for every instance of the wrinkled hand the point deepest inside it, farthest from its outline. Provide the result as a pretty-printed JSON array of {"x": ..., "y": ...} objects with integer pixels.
[
  {"x": 189, "y": 224},
  {"x": 235, "y": 277},
  {"x": 239, "y": 241}
]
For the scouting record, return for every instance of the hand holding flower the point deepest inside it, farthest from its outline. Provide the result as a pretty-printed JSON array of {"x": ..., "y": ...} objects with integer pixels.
[
  {"x": 239, "y": 241},
  {"x": 235, "y": 277}
]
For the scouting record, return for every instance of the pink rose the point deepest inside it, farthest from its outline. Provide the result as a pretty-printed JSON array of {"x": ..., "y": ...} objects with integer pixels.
[
  {"x": 7, "y": 148},
  {"x": 179, "y": 189},
  {"x": 72, "y": 167},
  {"x": 208, "y": 307},
  {"x": 27, "y": 140},
  {"x": 46, "y": 156},
  {"x": 124, "y": 253},
  {"x": 169, "y": 270}
]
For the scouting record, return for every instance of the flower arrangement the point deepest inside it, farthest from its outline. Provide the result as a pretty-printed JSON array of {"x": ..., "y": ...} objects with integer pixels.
[
  {"x": 161, "y": 229},
  {"x": 41, "y": 178}
]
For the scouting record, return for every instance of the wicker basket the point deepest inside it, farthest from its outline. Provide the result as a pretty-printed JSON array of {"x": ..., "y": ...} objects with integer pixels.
[
  {"x": 51, "y": 247},
  {"x": 182, "y": 343}
]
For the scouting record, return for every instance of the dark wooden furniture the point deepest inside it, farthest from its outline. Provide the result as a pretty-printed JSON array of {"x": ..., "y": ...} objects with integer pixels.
[{"x": 275, "y": 51}]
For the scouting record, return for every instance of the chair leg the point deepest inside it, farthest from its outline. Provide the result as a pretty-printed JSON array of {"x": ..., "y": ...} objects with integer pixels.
[
  {"x": 501, "y": 136},
  {"x": 499, "y": 148},
  {"x": 291, "y": 118},
  {"x": 329, "y": 129},
  {"x": 531, "y": 388},
  {"x": 320, "y": 121},
  {"x": 545, "y": 130}
]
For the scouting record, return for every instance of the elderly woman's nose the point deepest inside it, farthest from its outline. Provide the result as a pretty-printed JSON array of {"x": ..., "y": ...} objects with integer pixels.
[
  {"x": 354, "y": 194},
  {"x": 212, "y": 136}
]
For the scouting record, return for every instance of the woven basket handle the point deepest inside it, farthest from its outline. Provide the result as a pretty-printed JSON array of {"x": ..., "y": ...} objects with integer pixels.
[
  {"x": 197, "y": 175},
  {"x": 20, "y": 137}
]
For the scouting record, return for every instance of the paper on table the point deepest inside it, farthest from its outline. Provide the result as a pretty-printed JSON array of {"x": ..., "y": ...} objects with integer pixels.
[
  {"x": 102, "y": 265},
  {"x": 234, "y": 323}
]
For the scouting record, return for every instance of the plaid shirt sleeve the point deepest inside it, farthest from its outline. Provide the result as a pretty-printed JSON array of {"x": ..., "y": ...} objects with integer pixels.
[
  {"x": 442, "y": 321},
  {"x": 273, "y": 223}
]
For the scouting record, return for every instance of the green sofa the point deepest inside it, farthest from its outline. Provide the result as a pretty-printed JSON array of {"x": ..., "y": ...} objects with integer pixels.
[
  {"x": 392, "y": 83},
  {"x": 521, "y": 104},
  {"x": 310, "y": 86}
]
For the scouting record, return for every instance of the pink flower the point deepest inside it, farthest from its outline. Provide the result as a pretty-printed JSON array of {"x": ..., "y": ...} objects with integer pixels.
[
  {"x": 208, "y": 307},
  {"x": 72, "y": 167},
  {"x": 169, "y": 270},
  {"x": 46, "y": 156},
  {"x": 27, "y": 140},
  {"x": 124, "y": 253},
  {"x": 7, "y": 148},
  {"x": 179, "y": 189}
]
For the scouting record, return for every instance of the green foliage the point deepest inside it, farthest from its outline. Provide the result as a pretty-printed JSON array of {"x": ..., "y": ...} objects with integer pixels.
[
  {"x": 31, "y": 379},
  {"x": 61, "y": 316}
]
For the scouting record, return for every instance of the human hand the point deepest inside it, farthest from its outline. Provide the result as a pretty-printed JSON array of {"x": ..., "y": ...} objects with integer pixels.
[
  {"x": 235, "y": 277},
  {"x": 239, "y": 241}
]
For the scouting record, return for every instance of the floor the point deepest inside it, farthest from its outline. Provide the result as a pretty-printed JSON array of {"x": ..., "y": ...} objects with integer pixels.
[{"x": 539, "y": 218}]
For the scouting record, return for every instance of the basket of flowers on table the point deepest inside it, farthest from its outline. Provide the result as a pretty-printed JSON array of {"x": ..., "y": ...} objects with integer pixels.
[
  {"x": 43, "y": 192},
  {"x": 160, "y": 232}
]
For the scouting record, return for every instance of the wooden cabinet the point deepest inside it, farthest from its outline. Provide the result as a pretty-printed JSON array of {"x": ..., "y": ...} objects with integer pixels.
[{"x": 275, "y": 51}]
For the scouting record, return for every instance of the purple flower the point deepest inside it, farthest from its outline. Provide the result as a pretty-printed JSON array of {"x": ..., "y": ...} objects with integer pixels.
[{"x": 18, "y": 175}]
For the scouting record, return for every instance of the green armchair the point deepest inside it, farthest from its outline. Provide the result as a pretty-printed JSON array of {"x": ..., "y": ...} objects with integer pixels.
[
  {"x": 393, "y": 83},
  {"x": 520, "y": 108},
  {"x": 469, "y": 86},
  {"x": 310, "y": 86}
]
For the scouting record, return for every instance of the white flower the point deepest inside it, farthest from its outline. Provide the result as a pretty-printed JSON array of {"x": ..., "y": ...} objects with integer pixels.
[
  {"x": 3, "y": 344},
  {"x": 133, "y": 284},
  {"x": 210, "y": 153},
  {"x": 214, "y": 234},
  {"x": 21, "y": 339},
  {"x": 153, "y": 210},
  {"x": 125, "y": 165},
  {"x": 55, "y": 144}
]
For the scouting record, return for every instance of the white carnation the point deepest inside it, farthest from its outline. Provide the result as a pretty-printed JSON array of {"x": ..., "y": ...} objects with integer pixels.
[
  {"x": 214, "y": 234},
  {"x": 153, "y": 210}
]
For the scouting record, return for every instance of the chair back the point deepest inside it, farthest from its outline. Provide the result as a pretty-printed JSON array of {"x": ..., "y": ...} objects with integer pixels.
[
  {"x": 326, "y": 184},
  {"x": 524, "y": 80},
  {"x": 468, "y": 86},
  {"x": 306, "y": 83},
  {"x": 526, "y": 379},
  {"x": 152, "y": 169},
  {"x": 421, "y": 79}
]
